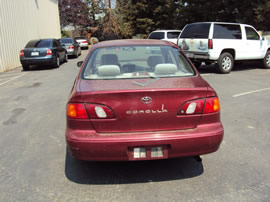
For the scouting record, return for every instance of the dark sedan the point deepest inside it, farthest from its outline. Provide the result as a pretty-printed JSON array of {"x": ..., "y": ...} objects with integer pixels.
[
  {"x": 129, "y": 103},
  {"x": 43, "y": 52},
  {"x": 72, "y": 46}
]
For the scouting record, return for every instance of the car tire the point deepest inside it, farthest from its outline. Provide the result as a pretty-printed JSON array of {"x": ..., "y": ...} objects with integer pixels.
[
  {"x": 225, "y": 63},
  {"x": 197, "y": 64},
  {"x": 266, "y": 60},
  {"x": 25, "y": 67},
  {"x": 57, "y": 62}
]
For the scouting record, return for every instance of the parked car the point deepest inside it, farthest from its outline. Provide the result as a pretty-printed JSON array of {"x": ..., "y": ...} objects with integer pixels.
[
  {"x": 129, "y": 104},
  {"x": 43, "y": 52},
  {"x": 168, "y": 35},
  {"x": 72, "y": 46},
  {"x": 223, "y": 43},
  {"x": 82, "y": 42}
]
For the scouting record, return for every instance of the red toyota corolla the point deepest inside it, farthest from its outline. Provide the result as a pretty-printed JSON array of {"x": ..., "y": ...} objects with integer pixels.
[{"x": 141, "y": 100}]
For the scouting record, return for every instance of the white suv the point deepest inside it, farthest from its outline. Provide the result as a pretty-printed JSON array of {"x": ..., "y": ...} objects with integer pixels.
[
  {"x": 223, "y": 43},
  {"x": 168, "y": 35}
]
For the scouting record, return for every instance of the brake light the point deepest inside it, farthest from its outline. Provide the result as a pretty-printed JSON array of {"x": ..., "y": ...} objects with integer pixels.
[
  {"x": 71, "y": 47},
  {"x": 99, "y": 111},
  {"x": 205, "y": 106},
  {"x": 49, "y": 52},
  {"x": 84, "y": 42},
  {"x": 76, "y": 111},
  {"x": 22, "y": 53},
  {"x": 210, "y": 43}
]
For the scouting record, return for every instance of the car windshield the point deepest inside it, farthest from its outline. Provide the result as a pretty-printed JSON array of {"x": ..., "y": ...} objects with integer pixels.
[
  {"x": 66, "y": 40},
  {"x": 39, "y": 44},
  {"x": 156, "y": 35},
  {"x": 131, "y": 62}
]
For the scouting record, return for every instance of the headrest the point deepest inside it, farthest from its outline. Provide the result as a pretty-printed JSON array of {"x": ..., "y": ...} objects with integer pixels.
[
  {"x": 108, "y": 70},
  {"x": 165, "y": 69},
  {"x": 109, "y": 59}
]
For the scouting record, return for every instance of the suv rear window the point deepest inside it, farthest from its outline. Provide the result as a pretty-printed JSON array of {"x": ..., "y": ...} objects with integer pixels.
[
  {"x": 39, "y": 44},
  {"x": 227, "y": 31},
  {"x": 157, "y": 35},
  {"x": 173, "y": 35},
  {"x": 196, "y": 31}
]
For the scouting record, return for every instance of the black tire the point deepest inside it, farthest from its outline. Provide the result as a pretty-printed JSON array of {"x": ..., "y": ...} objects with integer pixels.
[
  {"x": 25, "y": 67},
  {"x": 266, "y": 60},
  {"x": 57, "y": 62},
  {"x": 197, "y": 64},
  {"x": 225, "y": 63},
  {"x": 66, "y": 58}
]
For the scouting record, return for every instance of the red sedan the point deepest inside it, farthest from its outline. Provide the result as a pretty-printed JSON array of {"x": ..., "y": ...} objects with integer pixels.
[{"x": 141, "y": 100}]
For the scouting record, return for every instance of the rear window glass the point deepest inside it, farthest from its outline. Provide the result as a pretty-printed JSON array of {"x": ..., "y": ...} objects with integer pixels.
[
  {"x": 66, "y": 40},
  {"x": 39, "y": 44},
  {"x": 157, "y": 35},
  {"x": 227, "y": 31},
  {"x": 196, "y": 31},
  {"x": 173, "y": 35},
  {"x": 132, "y": 62},
  {"x": 252, "y": 34}
]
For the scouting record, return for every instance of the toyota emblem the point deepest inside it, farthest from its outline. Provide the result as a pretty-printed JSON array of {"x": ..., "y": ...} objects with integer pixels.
[{"x": 146, "y": 100}]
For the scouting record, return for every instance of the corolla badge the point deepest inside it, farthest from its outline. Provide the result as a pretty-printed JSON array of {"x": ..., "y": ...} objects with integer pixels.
[{"x": 146, "y": 100}]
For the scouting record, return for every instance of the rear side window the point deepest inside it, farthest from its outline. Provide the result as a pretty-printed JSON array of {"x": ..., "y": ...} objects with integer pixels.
[
  {"x": 173, "y": 35},
  {"x": 196, "y": 31},
  {"x": 38, "y": 44},
  {"x": 252, "y": 34},
  {"x": 227, "y": 31},
  {"x": 157, "y": 35}
]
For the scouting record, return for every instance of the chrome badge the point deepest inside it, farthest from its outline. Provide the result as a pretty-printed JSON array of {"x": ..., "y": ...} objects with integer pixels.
[{"x": 146, "y": 100}]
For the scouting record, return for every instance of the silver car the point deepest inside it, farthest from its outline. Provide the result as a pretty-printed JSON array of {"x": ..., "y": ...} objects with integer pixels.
[
  {"x": 82, "y": 42},
  {"x": 72, "y": 46}
]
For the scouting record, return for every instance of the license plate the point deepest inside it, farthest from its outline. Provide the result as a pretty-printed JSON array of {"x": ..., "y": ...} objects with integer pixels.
[
  {"x": 35, "y": 54},
  {"x": 148, "y": 152}
]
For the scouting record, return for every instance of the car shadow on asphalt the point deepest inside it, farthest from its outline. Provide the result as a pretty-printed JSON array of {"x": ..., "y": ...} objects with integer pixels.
[
  {"x": 243, "y": 66},
  {"x": 41, "y": 68},
  {"x": 85, "y": 172}
]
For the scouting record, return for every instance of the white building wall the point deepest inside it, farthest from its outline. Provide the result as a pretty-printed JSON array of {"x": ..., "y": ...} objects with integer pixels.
[{"x": 24, "y": 20}]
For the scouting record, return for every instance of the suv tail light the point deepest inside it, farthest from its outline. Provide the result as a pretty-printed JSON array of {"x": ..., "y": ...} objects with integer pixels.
[
  {"x": 86, "y": 111},
  {"x": 205, "y": 106},
  {"x": 84, "y": 42},
  {"x": 71, "y": 47},
  {"x": 210, "y": 43},
  {"x": 22, "y": 53},
  {"x": 49, "y": 52}
]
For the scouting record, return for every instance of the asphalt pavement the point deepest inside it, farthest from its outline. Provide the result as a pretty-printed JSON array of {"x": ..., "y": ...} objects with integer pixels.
[{"x": 34, "y": 164}]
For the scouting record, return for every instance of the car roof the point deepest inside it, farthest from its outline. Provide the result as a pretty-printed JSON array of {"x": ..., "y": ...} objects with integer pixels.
[
  {"x": 167, "y": 30},
  {"x": 231, "y": 23},
  {"x": 133, "y": 42}
]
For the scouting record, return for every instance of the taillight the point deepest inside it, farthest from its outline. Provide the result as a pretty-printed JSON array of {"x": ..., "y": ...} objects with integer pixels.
[
  {"x": 76, "y": 111},
  {"x": 49, "y": 52},
  {"x": 84, "y": 42},
  {"x": 71, "y": 47},
  {"x": 210, "y": 43},
  {"x": 99, "y": 111},
  {"x": 205, "y": 106},
  {"x": 22, "y": 53}
]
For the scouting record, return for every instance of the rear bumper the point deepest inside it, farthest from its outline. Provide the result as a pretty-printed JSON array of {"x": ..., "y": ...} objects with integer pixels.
[
  {"x": 37, "y": 61},
  {"x": 89, "y": 145}
]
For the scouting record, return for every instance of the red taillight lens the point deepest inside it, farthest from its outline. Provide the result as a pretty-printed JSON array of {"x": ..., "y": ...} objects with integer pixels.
[
  {"x": 210, "y": 43},
  {"x": 76, "y": 111},
  {"x": 84, "y": 42},
  {"x": 49, "y": 52},
  {"x": 99, "y": 111},
  {"x": 211, "y": 105},
  {"x": 71, "y": 47},
  {"x": 205, "y": 106},
  {"x": 22, "y": 53}
]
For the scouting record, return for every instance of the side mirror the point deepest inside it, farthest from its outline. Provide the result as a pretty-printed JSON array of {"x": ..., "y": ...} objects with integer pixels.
[{"x": 79, "y": 64}]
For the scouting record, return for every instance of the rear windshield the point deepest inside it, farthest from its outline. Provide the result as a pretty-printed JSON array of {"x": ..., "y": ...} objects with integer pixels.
[
  {"x": 196, "y": 31},
  {"x": 132, "y": 62},
  {"x": 173, "y": 35},
  {"x": 157, "y": 35},
  {"x": 67, "y": 40},
  {"x": 39, "y": 44},
  {"x": 227, "y": 31}
]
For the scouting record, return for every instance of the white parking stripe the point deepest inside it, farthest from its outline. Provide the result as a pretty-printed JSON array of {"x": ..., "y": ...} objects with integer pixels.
[
  {"x": 13, "y": 78},
  {"x": 251, "y": 92}
]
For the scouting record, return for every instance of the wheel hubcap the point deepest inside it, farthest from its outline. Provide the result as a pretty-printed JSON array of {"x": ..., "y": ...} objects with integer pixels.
[
  {"x": 227, "y": 63},
  {"x": 58, "y": 61},
  {"x": 268, "y": 60}
]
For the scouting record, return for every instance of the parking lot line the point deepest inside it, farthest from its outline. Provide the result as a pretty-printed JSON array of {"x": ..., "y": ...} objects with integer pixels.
[
  {"x": 251, "y": 92},
  {"x": 13, "y": 78}
]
